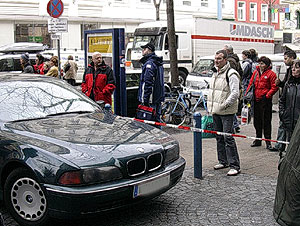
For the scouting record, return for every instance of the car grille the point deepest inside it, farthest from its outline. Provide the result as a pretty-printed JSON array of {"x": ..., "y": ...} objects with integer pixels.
[
  {"x": 136, "y": 64},
  {"x": 141, "y": 165}
]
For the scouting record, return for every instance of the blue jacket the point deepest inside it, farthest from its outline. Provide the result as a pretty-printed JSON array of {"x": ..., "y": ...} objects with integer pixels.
[{"x": 151, "y": 89}]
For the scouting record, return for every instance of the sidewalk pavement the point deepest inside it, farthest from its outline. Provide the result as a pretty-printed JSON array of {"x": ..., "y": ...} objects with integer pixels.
[{"x": 254, "y": 160}]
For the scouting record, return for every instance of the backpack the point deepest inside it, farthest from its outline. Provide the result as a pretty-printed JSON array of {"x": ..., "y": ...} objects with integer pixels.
[
  {"x": 240, "y": 84},
  {"x": 236, "y": 66}
]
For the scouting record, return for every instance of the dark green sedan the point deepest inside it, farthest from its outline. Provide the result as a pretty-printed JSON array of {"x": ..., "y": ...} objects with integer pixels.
[{"x": 62, "y": 155}]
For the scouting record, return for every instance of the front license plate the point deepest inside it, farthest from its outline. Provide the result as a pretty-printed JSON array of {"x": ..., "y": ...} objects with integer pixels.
[{"x": 151, "y": 186}]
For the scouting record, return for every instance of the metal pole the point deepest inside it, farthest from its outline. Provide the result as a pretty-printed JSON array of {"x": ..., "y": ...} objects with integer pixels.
[
  {"x": 219, "y": 9},
  {"x": 197, "y": 147},
  {"x": 58, "y": 55}
]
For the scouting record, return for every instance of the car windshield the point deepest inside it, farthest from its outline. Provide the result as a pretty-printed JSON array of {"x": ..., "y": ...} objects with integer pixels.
[
  {"x": 143, "y": 40},
  {"x": 204, "y": 68},
  {"x": 21, "y": 100}
]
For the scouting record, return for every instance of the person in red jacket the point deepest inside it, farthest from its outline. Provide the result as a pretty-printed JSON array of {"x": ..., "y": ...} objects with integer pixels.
[
  {"x": 264, "y": 90},
  {"x": 98, "y": 80},
  {"x": 39, "y": 66}
]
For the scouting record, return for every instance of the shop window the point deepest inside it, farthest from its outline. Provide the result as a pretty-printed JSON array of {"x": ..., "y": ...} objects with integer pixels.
[{"x": 33, "y": 33}]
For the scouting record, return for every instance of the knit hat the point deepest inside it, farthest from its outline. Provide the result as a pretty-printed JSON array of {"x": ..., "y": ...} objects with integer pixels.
[{"x": 25, "y": 57}]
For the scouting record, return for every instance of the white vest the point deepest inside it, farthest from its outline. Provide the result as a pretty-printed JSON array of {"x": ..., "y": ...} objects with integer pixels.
[{"x": 219, "y": 91}]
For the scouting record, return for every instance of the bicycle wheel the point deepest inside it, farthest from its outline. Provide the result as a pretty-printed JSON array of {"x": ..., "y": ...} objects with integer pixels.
[{"x": 172, "y": 115}]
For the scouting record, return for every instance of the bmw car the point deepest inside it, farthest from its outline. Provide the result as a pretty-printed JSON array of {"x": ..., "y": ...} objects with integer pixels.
[{"x": 62, "y": 155}]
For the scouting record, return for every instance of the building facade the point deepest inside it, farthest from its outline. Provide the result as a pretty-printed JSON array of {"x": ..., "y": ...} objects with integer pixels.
[{"x": 27, "y": 20}]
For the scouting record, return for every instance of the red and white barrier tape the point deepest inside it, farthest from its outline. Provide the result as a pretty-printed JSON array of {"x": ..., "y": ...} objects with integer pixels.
[{"x": 193, "y": 129}]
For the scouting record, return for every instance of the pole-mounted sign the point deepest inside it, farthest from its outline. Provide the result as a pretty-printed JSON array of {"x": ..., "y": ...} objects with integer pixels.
[{"x": 55, "y": 8}]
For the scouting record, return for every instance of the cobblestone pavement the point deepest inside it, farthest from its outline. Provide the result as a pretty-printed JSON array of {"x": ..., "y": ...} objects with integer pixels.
[{"x": 215, "y": 200}]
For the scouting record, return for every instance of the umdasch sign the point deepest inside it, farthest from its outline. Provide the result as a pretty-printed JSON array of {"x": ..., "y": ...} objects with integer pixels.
[{"x": 252, "y": 31}]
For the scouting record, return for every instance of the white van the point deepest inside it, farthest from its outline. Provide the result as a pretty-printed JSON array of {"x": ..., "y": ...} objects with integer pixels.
[{"x": 199, "y": 78}]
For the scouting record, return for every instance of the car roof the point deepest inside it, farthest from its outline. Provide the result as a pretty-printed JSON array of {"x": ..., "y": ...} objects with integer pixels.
[
  {"x": 23, "y": 47},
  {"x": 17, "y": 76}
]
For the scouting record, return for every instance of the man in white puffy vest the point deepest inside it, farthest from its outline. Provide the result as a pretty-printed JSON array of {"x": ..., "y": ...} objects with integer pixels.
[{"x": 222, "y": 102}]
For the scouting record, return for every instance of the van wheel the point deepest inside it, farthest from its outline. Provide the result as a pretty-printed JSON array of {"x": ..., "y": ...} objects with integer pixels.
[
  {"x": 25, "y": 199},
  {"x": 182, "y": 77}
]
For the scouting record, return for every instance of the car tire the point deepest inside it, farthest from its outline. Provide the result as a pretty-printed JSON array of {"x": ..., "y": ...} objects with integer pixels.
[
  {"x": 25, "y": 199},
  {"x": 182, "y": 77}
]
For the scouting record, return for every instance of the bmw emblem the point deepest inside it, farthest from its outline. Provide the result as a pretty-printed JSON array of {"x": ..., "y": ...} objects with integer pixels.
[{"x": 141, "y": 150}]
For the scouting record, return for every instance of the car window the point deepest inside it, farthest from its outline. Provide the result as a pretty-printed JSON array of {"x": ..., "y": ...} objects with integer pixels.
[
  {"x": 204, "y": 68},
  {"x": 7, "y": 64},
  {"x": 17, "y": 65},
  {"x": 21, "y": 100}
]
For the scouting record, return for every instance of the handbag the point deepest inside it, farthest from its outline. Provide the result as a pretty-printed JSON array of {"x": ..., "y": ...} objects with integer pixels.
[
  {"x": 145, "y": 113},
  {"x": 207, "y": 124},
  {"x": 67, "y": 67},
  {"x": 249, "y": 96}
]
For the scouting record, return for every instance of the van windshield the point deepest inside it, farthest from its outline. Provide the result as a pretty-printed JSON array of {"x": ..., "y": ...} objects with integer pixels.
[
  {"x": 144, "y": 39},
  {"x": 203, "y": 68}
]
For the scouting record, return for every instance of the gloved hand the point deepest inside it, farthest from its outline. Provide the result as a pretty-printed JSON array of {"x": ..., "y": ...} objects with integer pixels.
[{"x": 264, "y": 98}]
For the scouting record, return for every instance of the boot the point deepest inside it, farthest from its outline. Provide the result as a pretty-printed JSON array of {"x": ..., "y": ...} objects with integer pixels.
[
  {"x": 268, "y": 145},
  {"x": 256, "y": 143}
]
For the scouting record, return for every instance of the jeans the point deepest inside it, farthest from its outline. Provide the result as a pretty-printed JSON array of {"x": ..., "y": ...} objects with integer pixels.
[
  {"x": 235, "y": 122},
  {"x": 226, "y": 146}
]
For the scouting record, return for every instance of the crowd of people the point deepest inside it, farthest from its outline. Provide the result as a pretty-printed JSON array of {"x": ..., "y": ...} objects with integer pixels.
[
  {"x": 50, "y": 68},
  {"x": 224, "y": 101}
]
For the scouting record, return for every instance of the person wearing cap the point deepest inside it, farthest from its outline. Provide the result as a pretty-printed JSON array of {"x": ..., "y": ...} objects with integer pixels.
[
  {"x": 151, "y": 87},
  {"x": 98, "y": 81},
  {"x": 25, "y": 63},
  {"x": 264, "y": 89}
]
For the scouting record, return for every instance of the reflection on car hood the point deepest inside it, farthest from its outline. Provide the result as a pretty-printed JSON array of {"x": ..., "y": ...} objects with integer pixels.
[{"x": 90, "y": 138}]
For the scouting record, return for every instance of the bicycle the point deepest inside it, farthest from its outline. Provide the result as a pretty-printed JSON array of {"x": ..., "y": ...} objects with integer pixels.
[{"x": 177, "y": 111}]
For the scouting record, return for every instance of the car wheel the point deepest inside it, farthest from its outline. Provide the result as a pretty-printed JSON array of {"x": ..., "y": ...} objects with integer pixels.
[
  {"x": 25, "y": 199},
  {"x": 182, "y": 77}
]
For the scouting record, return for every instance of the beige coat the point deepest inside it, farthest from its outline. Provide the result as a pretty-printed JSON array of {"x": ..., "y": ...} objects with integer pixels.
[{"x": 72, "y": 72}]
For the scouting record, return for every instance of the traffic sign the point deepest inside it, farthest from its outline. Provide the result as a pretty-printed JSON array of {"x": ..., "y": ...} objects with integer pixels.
[
  {"x": 55, "y": 8},
  {"x": 55, "y": 36},
  {"x": 57, "y": 25}
]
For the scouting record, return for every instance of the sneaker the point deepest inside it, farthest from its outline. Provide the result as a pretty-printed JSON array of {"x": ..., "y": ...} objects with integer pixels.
[
  {"x": 220, "y": 166},
  {"x": 233, "y": 172}
]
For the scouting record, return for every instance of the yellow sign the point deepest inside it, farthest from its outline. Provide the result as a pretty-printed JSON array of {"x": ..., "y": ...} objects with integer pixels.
[{"x": 102, "y": 44}]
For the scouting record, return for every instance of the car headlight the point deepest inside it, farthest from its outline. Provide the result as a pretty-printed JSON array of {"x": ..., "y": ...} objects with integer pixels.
[
  {"x": 172, "y": 153},
  {"x": 91, "y": 176}
]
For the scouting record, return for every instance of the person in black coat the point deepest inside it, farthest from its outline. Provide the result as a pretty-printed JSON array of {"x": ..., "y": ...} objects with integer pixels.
[{"x": 289, "y": 104}]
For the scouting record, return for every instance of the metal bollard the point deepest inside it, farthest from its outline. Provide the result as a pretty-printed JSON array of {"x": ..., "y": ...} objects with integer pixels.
[{"x": 197, "y": 147}]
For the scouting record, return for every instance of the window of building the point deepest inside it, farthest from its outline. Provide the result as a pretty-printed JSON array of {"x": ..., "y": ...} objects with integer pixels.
[
  {"x": 287, "y": 16},
  {"x": 187, "y": 3},
  {"x": 146, "y": 1},
  {"x": 264, "y": 13},
  {"x": 253, "y": 11},
  {"x": 274, "y": 17},
  {"x": 298, "y": 19},
  {"x": 204, "y": 3},
  {"x": 241, "y": 11},
  {"x": 223, "y": 4},
  {"x": 33, "y": 32}
]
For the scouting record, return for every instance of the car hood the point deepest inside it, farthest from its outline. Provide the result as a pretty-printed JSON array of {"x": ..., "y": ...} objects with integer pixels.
[{"x": 88, "y": 139}]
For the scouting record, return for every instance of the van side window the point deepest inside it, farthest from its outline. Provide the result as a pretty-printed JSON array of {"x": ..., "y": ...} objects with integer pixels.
[
  {"x": 167, "y": 42},
  {"x": 7, "y": 64}
]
